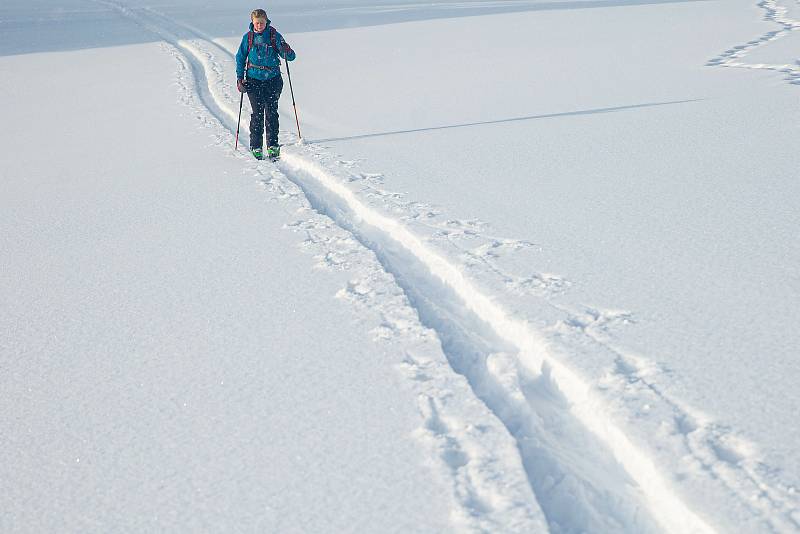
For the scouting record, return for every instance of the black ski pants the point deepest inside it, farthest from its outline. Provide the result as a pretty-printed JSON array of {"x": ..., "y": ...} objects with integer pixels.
[{"x": 264, "y": 95}]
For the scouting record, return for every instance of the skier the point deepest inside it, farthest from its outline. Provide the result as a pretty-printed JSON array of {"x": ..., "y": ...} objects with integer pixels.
[{"x": 258, "y": 74}]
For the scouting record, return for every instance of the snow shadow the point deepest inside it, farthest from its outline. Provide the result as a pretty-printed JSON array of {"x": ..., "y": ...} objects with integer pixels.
[
  {"x": 376, "y": 13},
  {"x": 30, "y": 26},
  {"x": 500, "y": 121}
]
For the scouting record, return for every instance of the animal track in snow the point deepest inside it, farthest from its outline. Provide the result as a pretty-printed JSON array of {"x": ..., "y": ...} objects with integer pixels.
[{"x": 777, "y": 12}]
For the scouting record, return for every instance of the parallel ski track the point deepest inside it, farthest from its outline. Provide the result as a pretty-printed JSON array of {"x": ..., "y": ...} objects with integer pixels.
[{"x": 563, "y": 434}]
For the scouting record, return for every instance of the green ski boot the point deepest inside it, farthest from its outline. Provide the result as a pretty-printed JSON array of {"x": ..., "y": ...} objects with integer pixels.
[
  {"x": 257, "y": 153},
  {"x": 274, "y": 152}
]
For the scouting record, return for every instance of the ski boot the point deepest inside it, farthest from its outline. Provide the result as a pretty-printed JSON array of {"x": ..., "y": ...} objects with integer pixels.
[
  {"x": 257, "y": 153},
  {"x": 274, "y": 152}
]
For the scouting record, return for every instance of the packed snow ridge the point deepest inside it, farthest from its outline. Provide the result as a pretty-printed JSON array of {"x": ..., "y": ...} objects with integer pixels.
[{"x": 585, "y": 472}]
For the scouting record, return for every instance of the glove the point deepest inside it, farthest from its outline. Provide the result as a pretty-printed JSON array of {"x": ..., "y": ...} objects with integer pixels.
[{"x": 241, "y": 86}]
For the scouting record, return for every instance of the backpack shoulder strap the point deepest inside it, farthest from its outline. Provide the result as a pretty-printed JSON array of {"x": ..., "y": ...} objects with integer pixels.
[
  {"x": 273, "y": 40},
  {"x": 249, "y": 47}
]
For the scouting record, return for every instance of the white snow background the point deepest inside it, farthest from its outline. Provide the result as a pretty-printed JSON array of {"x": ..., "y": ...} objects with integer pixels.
[{"x": 534, "y": 267}]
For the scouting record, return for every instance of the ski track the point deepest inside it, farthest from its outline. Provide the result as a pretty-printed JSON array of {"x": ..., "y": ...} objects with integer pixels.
[
  {"x": 578, "y": 466},
  {"x": 777, "y": 12}
]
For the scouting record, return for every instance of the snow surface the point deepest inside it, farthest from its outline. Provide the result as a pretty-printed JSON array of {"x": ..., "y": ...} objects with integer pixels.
[{"x": 534, "y": 267}]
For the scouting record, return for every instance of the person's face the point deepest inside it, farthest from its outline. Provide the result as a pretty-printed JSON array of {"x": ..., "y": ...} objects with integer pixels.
[{"x": 259, "y": 24}]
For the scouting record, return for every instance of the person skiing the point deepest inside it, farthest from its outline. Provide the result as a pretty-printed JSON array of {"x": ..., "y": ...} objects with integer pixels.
[{"x": 258, "y": 74}]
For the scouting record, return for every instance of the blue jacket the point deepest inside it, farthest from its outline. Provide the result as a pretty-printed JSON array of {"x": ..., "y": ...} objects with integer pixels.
[{"x": 263, "y": 54}]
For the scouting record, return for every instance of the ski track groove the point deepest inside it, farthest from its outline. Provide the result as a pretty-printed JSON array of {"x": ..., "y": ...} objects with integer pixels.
[
  {"x": 508, "y": 365},
  {"x": 712, "y": 447}
]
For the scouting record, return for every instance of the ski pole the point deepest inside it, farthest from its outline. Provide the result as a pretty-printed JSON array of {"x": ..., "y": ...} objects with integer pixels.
[
  {"x": 239, "y": 122},
  {"x": 289, "y": 74},
  {"x": 241, "y": 98}
]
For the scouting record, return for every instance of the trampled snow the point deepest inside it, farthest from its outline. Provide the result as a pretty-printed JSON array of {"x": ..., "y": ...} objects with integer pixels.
[{"x": 534, "y": 267}]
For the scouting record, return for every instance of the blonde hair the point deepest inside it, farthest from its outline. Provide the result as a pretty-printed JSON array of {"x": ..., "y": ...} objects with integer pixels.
[{"x": 258, "y": 14}]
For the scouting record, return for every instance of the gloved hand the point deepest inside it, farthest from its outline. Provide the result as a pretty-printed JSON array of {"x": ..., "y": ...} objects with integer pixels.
[{"x": 241, "y": 86}]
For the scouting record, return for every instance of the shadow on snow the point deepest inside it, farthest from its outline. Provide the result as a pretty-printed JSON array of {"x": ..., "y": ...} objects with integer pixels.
[
  {"x": 500, "y": 121},
  {"x": 30, "y": 26}
]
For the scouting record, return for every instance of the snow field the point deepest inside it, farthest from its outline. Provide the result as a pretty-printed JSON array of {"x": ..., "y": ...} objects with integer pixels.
[
  {"x": 489, "y": 488},
  {"x": 518, "y": 374},
  {"x": 525, "y": 438}
]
